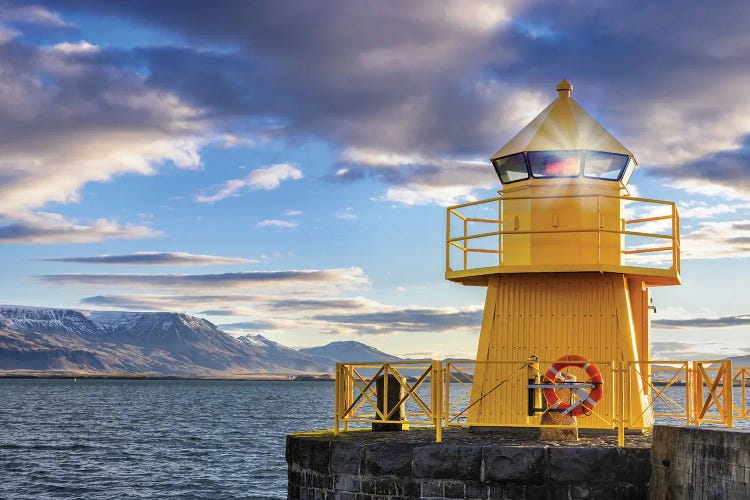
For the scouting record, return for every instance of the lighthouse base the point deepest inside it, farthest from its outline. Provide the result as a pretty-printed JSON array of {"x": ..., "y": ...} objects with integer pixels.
[{"x": 509, "y": 463}]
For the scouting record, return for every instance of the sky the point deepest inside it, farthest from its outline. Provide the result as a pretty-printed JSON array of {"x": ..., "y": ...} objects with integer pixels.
[{"x": 282, "y": 168}]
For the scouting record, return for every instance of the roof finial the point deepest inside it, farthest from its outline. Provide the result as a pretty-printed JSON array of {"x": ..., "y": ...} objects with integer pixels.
[{"x": 564, "y": 88}]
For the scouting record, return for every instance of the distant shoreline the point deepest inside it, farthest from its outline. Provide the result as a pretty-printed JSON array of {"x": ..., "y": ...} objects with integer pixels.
[{"x": 264, "y": 377}]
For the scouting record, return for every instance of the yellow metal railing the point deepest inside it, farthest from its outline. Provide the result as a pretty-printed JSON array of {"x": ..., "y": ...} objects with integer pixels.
[
  {"x": 439, "y": 394},
  {"x": 478, "y": 228},
  {"x": 356, "y": 398}
]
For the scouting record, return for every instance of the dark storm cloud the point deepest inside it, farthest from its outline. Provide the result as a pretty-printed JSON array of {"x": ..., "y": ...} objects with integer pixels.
[
  {"x": 152, "y": 258},
  {"x": 724, "y": 321}
]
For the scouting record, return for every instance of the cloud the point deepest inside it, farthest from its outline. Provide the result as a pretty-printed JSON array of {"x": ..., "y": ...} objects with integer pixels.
[
  {"x": 75, "y": 113},
  {"x": 155, "y": 258},
  {"x": 692, "y": 351},
  {"x": 718, "y": 322},
  {"x": 292, "y": 212},
  {"x": 277, "y": 223},
  {"x": 322, "y": 314},
  {"x": 408, "y": 320},
  {"x": 431, "y": 86},
  {"x": 347, "y": 213},
  {"x": 266, "y": 179},
  {"x": 250, "y": 326},
  {"x": 720, "y": 173},
  {"x": 717, "y": 240},
  {"x": 346, "y": 278},
  {"x": 51, "y": 228}
]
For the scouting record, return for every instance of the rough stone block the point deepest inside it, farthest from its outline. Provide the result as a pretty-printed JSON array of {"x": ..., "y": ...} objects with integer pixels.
[
  {"x": 635, "y": 465},
  {"x": 432, "y": 489},
  {"x": 347, "y": 482},
  {"x": 539, "y": 492},
  {"x": 512, "y": 463},
  {"x": 346, "y": 457},
  {"x": 583, "y": 464},
  {"x": 387, "y": 486},
  {"x": 412, "y": 488},
  {"x": 476, "y": 490},
  {"x": 507, "y": 491},
  {"x": 447, "y": 461},
  {"x": 313, "y": 455},
  {"x": 368, "y": 485},
  {"x": 388, "y": 458},
  {"x": 454, "y": 489},
  {"x": 292, "y": 449}
]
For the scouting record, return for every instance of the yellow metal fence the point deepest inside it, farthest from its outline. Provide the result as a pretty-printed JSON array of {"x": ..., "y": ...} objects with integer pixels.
[{"x": 438, "y": 394}]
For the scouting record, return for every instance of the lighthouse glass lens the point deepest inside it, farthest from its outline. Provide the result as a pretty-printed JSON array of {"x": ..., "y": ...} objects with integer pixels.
[
  {"x": 555, "y": 163},
  {"x": 511, "y": 168},
  {"x": 608, "y": 166}
]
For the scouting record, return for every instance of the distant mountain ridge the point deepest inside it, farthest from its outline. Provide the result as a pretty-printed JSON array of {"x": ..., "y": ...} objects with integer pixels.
[
  {"x": 349, "y": 350},
  {"x": 160, "y": 343}
]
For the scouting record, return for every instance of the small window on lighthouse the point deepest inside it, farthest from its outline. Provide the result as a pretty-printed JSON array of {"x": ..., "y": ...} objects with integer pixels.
[
  {"x": 511, "y": 168},
  {"x": 607, "y": 166},
  {"x": 555, "y": 163}
]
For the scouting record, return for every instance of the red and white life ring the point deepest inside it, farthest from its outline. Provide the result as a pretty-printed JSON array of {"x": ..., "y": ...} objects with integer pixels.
[{"x": 586, "y": 399}]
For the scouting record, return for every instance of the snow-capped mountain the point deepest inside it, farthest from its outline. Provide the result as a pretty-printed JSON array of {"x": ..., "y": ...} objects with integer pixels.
[
  {"x": 42, "y": 339},
  {"x": 46, "y": 320}
]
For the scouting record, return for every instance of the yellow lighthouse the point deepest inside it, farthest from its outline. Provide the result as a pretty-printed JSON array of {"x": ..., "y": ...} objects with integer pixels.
[{"x": 568, "y": 258}]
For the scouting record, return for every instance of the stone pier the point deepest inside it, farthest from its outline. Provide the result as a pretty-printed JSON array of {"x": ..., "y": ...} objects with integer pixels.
[
  {"x": 509, "y": 463},
  {"x": 700, "y": 463}
]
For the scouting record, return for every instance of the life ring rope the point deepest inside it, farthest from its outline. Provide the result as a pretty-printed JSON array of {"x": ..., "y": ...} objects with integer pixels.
[{"x": 587, "y": 400}]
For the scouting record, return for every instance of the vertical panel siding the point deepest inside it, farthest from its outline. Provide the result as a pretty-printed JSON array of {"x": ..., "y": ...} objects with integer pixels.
[{"x": 548, "y": 315}]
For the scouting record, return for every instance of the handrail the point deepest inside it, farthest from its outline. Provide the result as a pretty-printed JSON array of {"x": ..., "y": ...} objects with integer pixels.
[
  {"x": 438, "y": 394},
  {"x": 506, "y": 226}
]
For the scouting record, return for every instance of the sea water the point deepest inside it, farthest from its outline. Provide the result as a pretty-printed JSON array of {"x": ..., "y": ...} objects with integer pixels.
[
  {"x": 152, "y": 438},
  {"x": 163, "y": 438}
]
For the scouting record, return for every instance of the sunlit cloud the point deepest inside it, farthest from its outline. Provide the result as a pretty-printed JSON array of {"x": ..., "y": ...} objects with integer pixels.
[
  {"x": 716, "y": 322},
  {"x": 266, "y": 179},
  {"x": 688, "y": 351},
  {"x": 347, "y": 278},
  {"x": 155, "y": 258},
  {"x": 49, "y": 228}
]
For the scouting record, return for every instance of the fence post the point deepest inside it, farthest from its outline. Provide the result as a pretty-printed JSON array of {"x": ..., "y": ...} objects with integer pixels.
[
  {"x": 621, "y": 427},
  {"x": 336, "y": 404},
  {"x": 728, "y": 383},
  {"x": 436, "y": 380},
  {"x": 698, "y": 388}
]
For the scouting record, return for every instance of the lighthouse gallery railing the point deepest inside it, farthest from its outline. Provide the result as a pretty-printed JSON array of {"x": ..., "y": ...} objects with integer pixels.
[{"x": 476, "y": 232}]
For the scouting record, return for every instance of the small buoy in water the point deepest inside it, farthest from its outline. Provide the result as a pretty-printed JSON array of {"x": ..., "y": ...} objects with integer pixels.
[{"x": 75, "y": 379}]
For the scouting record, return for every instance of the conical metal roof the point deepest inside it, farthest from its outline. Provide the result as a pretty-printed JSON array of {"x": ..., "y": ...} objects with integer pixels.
[{"x": 563, "y": 125}]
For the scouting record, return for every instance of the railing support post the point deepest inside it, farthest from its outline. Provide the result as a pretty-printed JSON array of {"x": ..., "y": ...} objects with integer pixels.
[
  {"x": 336, "y": 403},
  {"x": 728, "y": 383},
  {"x": 436, "y": 381},
  {"x": 620, "y": 374}
]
